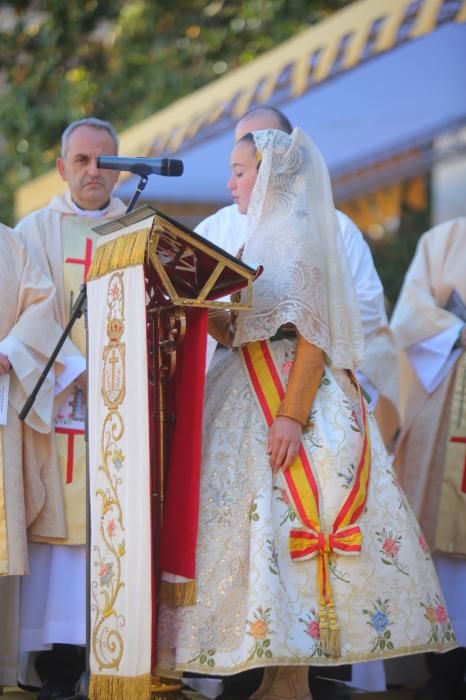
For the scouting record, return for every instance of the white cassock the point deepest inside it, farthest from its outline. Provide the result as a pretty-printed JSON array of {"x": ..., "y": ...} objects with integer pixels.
[{"x": 227, "y": 229}]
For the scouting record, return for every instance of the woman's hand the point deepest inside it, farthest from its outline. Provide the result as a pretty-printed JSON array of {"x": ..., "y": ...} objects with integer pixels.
[
  {"x": 284, "y": 441},
  {"x": 4, "y": 364}
]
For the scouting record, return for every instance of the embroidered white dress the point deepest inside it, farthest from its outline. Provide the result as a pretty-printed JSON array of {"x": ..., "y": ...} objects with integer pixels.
[{"x": 256, "y": 606}]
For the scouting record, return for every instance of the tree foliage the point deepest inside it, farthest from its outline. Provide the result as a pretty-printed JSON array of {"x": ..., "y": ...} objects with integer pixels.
[{"x": 119, "y": 60}]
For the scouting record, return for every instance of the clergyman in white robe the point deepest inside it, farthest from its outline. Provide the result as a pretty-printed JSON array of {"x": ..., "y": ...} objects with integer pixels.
[
  {"x": 30, "y": 488},
  {"x": 61, "y": 240}
]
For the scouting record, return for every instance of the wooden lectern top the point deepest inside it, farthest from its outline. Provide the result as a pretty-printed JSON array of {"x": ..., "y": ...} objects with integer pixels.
[{"x": 189, "y": 270}]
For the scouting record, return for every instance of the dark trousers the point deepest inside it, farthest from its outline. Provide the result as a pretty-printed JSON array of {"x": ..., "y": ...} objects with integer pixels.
[
  {"x": 447, "y": 672},
  {"x": 60, "y": 668}
]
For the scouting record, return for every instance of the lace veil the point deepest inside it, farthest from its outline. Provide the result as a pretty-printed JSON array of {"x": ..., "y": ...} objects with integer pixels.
[{"x": 292, "y": 230}]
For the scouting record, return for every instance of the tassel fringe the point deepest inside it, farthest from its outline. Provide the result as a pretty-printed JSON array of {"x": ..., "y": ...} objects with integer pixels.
[
  {"x": 178, "y": 594},
  {"x": 120, "y": 687},
  {"x": 124, "y": 251},
  {"x": 330, "y": 637}
]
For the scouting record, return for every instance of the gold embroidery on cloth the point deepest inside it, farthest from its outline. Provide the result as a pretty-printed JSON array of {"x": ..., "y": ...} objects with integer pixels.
[
  {"x": 3, "y": 529},
  {"x": 121, "y": 252},
  {"x": 107, "y": 642}
]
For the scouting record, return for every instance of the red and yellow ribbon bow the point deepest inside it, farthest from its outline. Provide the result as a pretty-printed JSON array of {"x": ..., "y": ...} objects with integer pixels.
[{"x": 310, "y": 541}]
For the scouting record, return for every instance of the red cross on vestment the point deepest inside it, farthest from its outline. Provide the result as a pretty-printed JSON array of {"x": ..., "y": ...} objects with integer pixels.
[
  {"x": 86, "y": 261},
  {"x": 463, "y": 440},
  {"x": 71, "y": 432}
]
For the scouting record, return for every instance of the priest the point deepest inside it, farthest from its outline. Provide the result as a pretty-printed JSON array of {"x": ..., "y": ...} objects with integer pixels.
[
  {"x": 429, "y": 323},
  {"x": 61, "y": 239},
  {"x": 30, "y": 490}
]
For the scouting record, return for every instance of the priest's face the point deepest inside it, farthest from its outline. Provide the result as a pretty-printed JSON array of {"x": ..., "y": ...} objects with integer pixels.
[
  {"x": 90, "y": 187},
  {"x": 243, "y": 174}
]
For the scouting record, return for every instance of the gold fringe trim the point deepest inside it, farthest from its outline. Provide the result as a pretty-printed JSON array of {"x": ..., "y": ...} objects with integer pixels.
[
  {"x": 103, "y": 687},
  {"x": 124, "y": 251},
  {"x": 178, "y": 594}
]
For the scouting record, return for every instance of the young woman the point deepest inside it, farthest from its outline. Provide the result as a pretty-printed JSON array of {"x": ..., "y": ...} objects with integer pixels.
[{"x": 307, "y": 551}]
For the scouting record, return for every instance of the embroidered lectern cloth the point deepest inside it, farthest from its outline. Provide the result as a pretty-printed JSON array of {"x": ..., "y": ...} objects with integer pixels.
[{"x": 120, "y": 577}]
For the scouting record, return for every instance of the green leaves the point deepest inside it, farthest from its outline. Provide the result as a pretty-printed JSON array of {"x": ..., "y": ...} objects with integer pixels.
[{"x": 121, "y": 61}]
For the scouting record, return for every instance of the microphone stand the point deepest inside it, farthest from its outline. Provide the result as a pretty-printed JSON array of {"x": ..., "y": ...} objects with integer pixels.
[
  {"x": 140, "y": 187},
  {"x": 80, "y": 308}
]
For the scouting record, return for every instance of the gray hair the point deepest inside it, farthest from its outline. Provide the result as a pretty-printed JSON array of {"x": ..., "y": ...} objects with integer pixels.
[{"x": 92, "y": 122}]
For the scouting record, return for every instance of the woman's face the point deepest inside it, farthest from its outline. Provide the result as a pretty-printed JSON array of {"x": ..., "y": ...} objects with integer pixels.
[{"x": 243, "y": 174}]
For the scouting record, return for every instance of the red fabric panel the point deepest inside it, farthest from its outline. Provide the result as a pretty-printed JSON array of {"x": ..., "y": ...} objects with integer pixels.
[{"x": 179, "y": 529}]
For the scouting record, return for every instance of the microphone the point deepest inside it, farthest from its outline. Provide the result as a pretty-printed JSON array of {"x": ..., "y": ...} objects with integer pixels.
[{"x": 142, "y": 166}]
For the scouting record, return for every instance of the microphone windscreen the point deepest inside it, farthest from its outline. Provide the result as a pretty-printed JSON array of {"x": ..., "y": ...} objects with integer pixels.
[{"x": 175, "y": 167}]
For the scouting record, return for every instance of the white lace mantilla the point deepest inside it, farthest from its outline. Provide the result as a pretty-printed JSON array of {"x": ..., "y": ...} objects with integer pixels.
[{"x": 293, "y": 232}]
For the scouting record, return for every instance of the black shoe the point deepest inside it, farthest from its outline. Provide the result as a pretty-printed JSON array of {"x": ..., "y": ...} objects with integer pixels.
[
  {"x": 325, "y": 689},
  {"x": 50, "y": 691},
  {"x": 28, "y": 688},
  {"x": 60, "y": 669}
]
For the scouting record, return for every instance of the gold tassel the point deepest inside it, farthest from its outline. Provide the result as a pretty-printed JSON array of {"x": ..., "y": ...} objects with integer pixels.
[
  {"x": 178, "y": 594},
  {"x": 124, "y": 251},
  {"x": 334, "y": 643},
  {"x": 329, "y": 631},
  {"x": 106, "y": 687},
  {"x": 324, "y": 627}
]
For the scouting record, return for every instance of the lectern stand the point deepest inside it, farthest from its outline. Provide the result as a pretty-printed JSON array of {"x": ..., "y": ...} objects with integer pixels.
[{"x": 149, "y": 288}]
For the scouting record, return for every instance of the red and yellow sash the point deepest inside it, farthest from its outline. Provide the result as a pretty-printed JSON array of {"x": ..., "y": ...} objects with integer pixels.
[{"x": 310, "y": 540}]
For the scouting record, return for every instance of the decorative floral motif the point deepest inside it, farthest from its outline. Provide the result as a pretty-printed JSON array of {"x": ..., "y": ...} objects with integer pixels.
[
  {"x": 424, "y": 546},
  {"x": 253, "y": 514},
  {"x": 107, "y": 642},
  {"x": 286, "y": 367},
  {"x": 118, "y": 458},
  {"x": 347, "y": 476},
  {"x": 436, "y": 614},
  {"x": 206, "y": 658},
  {"x": 379, "y": 620},
  {"x": 111, "y": 528},
  {"x": 390, "y": 546},
  {"x": 106, "y": 573},
  {"x": 312, "y": 628},
  {"x": 309, "y": 428},
  {"x": 273, "y": 561},
  {"x": 353, "y": 421},
  {"x": 335, "y": 571},
  {"x": 289, "y": 514},
  {"x": 260, "y": 631}
]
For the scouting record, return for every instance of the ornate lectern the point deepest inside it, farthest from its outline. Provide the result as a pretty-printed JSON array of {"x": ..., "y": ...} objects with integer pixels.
[{"x": 149, "y": 288}]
